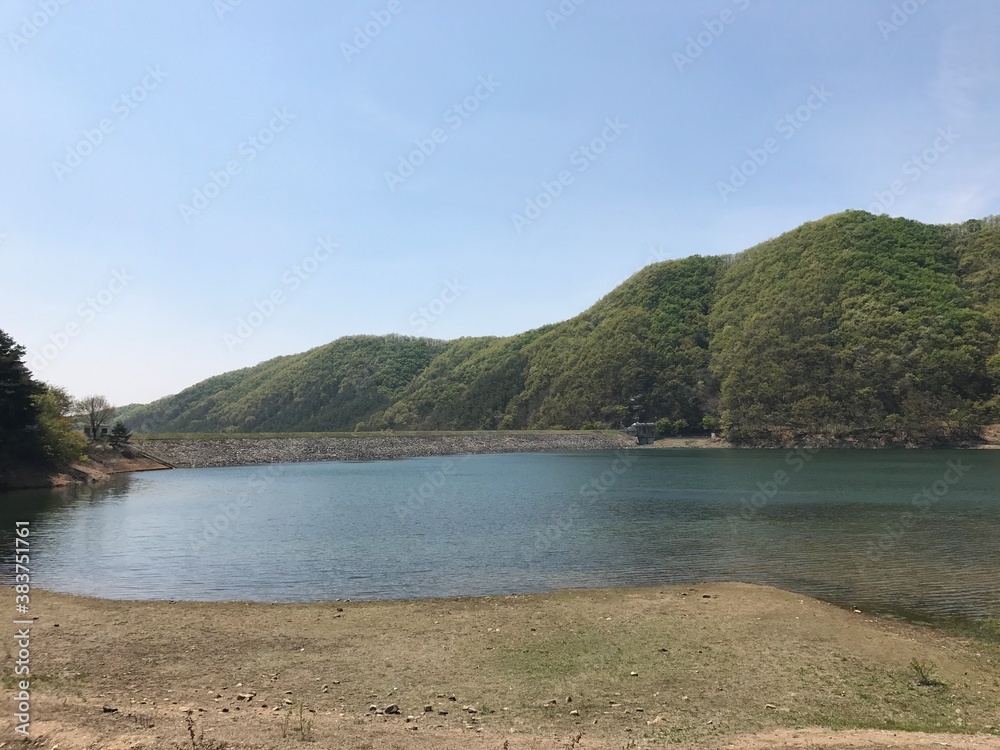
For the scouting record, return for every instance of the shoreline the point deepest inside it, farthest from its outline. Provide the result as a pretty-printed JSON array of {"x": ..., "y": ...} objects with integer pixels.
[
  {"x": 190, "y": 450},
  {"x": 693, "y": 666},
  {"x": 211, "y": 452}
]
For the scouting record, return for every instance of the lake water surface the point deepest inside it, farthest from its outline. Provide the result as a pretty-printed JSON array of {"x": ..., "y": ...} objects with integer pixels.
[{"x": 852, "y": 527}]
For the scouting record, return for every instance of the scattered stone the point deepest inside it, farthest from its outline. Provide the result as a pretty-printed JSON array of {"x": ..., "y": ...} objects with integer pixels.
[
  {"x": 634, "y": 674},
  {"x": 569, "y": 698},
  {"x": 288, "y": 701},
  {"x": 245, "y": 696},
  {"x": 769, "y": 705},
  {"x": 110, "y": 710},
  {"x": 452, "y": 698},
  {"x": 373, "y": 708},
  {"x": 706, "y": 596},
  {"x": 442, "y": 713},
  {"x": 225, "y": 710},
  {"x": 428, "y": 708},
  {"x": 392, "y": 708},
  {"x": 574, "y": 712}
]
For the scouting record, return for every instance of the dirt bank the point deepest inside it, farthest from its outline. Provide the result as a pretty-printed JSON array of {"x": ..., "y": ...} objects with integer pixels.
[
  {"x": 192, "y": 453},
  {"x": 710, "y": 666},
  {"x": 101, "y": 463}
]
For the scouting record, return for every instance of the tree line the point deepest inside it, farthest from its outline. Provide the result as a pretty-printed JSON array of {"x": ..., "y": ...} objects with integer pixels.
[
  {"x": 857, "y": 327},
  {"x": 39, "y": 421}
]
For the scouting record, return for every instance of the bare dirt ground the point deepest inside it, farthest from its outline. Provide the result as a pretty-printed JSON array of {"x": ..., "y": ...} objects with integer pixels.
[
  {"x": 711, "y": 666},
  {"x": 99, "y": 466},
  {"x": 992, "y": 436},
  {"x": 680, "y": 441}
]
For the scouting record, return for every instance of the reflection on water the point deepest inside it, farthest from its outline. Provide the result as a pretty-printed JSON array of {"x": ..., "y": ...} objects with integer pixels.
[{"x": 842, "y": 525}]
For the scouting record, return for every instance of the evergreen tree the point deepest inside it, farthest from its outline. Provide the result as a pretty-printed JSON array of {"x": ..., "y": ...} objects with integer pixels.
[{"x": 18, "y": 411}]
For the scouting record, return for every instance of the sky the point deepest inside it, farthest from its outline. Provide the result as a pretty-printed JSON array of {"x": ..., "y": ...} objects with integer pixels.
[{"x": 196, "y": 186}]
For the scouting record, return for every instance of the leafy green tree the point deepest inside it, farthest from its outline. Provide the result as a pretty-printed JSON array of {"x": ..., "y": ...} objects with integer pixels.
[
  {"x": 61, "y": 442},
  {"x": 96, "y": 411},
  {"x": 710, "y": 423},
  {"x": 664, "y": 427}
]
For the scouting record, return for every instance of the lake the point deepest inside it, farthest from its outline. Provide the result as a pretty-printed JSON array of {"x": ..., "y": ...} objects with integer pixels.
[{"x": 890, "y": 531}]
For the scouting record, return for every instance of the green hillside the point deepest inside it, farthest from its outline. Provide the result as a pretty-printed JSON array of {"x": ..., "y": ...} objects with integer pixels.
[{"x": 855, "y": 326}]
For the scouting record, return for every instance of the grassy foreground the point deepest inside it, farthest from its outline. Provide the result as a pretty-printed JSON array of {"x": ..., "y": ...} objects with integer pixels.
[{"x": 716, "y": 665}]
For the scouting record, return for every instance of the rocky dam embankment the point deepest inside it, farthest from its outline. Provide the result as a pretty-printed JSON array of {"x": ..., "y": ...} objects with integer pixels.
[{"x": 192, "y": 453}]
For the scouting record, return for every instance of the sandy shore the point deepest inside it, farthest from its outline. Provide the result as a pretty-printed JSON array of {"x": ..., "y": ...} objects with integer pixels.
[{"x": 710, "y": 666}]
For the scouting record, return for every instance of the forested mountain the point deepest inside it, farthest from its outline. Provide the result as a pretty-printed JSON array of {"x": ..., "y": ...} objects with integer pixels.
[{"x": 856, "y": 325}]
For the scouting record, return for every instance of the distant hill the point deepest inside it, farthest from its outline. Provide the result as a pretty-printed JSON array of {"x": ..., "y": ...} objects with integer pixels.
[{"x": 853, "y": 327}]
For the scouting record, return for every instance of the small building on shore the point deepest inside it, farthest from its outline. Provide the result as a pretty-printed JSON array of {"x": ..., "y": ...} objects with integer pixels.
[
  {"x": 102, "y": 432},
  {"x": 643, "y": 432}
]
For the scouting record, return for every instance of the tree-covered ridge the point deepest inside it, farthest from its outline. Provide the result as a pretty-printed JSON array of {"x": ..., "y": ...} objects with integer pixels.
[
  {"x": 853, "y": 325},
  {"x": 331, "y": 387}
]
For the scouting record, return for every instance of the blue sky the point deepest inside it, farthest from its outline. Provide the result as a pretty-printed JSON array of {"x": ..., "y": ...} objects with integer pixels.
[{"x": 196, "y": 186}]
